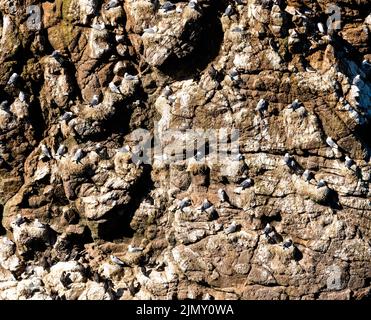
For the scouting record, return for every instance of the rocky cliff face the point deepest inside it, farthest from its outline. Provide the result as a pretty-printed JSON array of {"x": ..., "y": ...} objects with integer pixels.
[{"x": 83, "y": 83}]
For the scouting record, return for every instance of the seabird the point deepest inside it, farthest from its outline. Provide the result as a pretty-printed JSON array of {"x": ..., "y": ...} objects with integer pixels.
[
  {"x": 321, "y": 27},
  {"x": 234, "y": 74},
  {"x": 66, "y": 116},
  {"x": 246, "y": 184},
  {"x": 287, "y": 244},
  {"x": 132, "y": 249},
  {"x": 60, "y": 151},
  {"x": 288, "y": 160},
  {"x": 295, "y": 105},
  {"x": 223, "y": 197},
  {"x": 19, "y": 220},
  {"x": 348, "y": 162},
  {"x": 206, "y": 204},
  {"x": 7, "y": 241},
  {"x": 148, "y": 30},
  {"x": 262, "y": 106},
  {"x": 95, "y": 100},
  {"x": 4, "y": 105},
  {"x": 167, "y": 92},
  {"x": 237, "y": 29},
  {"x": 168, "y": 6},
  {"x": 228, "y": 11},
  {"x": 130, "y": 77},
  {"x": 231, "y": 228},
  {"x": 22, "y": 96},
  {"x": 57, "y": 56},
  {"x": 357, "y": 81},
  {"x": 13, "y": 78},
  {"x": 98, "y": 26},
  {"x": 331, "y": 143},
  {"x": 112, "y": 4},
  {"x": 268, "y": 229},
  {"x": 44, "y": 152},
  {"x": 79, "y": 154},
  {"x": 186, "y": 202},
  {"x": 192, "y": 4},
  {"x": 114, "y": 88},
  {"x": 117, "y": 261},
  {"x": 321, "y": 183},
  {"x": 38, "y": 224},
  {"x": 307, "y": 175},
  {"x": 212, "y": 72},
  {"x": 310, "y": 69},
  {"x": 239, "y": 157}
]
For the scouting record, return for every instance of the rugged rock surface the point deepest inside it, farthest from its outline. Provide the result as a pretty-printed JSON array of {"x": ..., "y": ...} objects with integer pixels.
[{"x": 82, "y": 218}]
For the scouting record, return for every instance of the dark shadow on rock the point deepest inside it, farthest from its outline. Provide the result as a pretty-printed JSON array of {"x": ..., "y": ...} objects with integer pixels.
[{"x": 2, "y": 229}]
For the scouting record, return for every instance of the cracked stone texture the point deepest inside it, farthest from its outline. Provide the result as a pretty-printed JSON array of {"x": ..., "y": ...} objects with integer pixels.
[{"x": 78, "y": 213}]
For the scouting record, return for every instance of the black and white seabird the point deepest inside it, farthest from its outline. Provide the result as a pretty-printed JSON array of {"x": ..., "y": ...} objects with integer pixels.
[
  {"x": 130, "y": 77},
  {"x": 247, "y": 183},
  {"x": 22, "y": 96},
  {"x": 231, "y": 228},
  {"x": 66, "y": 116},
  {"x": 262, "y": 106},
  {"x": 79, "y": 154},
  {"x": 168, "y": 6},
  {"x": 13, "y": 78},
  {"x": 132, "y": 249},
  {"x": 294, "y": 105},
  {"x": 95, "y": 100},
  {"x": 206, "y": 204},
  {"x": 44, "y": 152},
  {"x": 268, "y": 229},
  {"x": 117, "y": 261},
  {"x": 287, "y": 244},
  {"x": 223, "y": 197},
  {"x": 114, "y": 88},
  {"x": 186, "y": 202},
  {"x": 321, "y": 183},
  {"x": 167, "y": 92},
  {"x": 193, "y": 4},
  {"x": 112, "y": 4},
  {"x": 288, "y": 160},
  {"x": 151, "y": 30},
  {"x": 348, "y": 162},
  {"x": 228, "y": 11},
  {"x": 19, "y": 220},
  {"x": 4, "y": 105},
  {"x": 307, "y": 175},
  {"x": 60, "y": 151},
  {"x": 58, "y": 57},
  {"x": 330, "y": 142},
  {"x": 321, "y": 27}
]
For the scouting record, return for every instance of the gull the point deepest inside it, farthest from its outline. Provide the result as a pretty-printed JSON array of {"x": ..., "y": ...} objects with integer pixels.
[
  {"x": 117, "y": 261},
  {"x": 310, "y": 69},
  {"x": 186, "y": 202},
  {"x": 192, "y": 4},
  {"x": 95, "y": 100},
  {"x": 98, "y": 26},
  {"x": 151, "y": 31},
  {"x": 130, "y": 77},
  {"x": 132, "y": 249},
  {"x": 357, "y": 81},
  {"x": 57, "y": 56},
  {"x": 237, "y": 29},
  {"x": 22, "y": 96},
  {"x": 287, "y": 244},
  {"x": 4, "y": 105},
  {"x": 8, "y": 242},
  {"x": 19, "y": 220},
  {"x": 167, "y": 92},
  {"x": 114, "y": 88},
  {"x": 234, "y": 74},
  {"x": 44, "y": 152},
  {"x": 79, "y": 154},
  {"x": 331, "y": 143},
  {"x": 322, "y": 183},
  {"x": 288, "y": 160},
  {"x": 231, "y": 228},
  {"x": 60, "y": 151},
  {"x": 38, "y": 224},
  {"x": 239, "y": 157},
  {"x": 348, "y": 162},
  {"x": 268, "y": 229},
  {"x": 66, "y": 116},
  {"x": 112, "y": 4},
  {"x": 228, "y": 11},
  {"x": 13, "y": 78},
  {"x": 295, "y": 105},
  {"x": 206, "y": 204},
  {"x": 262, "y": 106},
  {"x": 223, "y": 197},
  {"x": 320, "y": 27},
  {"x": 246, "y": 184},
  {"x": 168, "y": 6},
  {"x": 307, "y": 175}
]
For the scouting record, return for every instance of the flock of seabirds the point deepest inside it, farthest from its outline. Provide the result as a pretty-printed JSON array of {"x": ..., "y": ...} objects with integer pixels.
[{"x": 261, "y": 108}]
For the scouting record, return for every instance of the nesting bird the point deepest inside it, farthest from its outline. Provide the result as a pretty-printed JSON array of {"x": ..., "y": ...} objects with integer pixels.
[
  {"x": 19, "y": 220},
  {"x": 287, "y": 244},
  {"x": 268, "y": 229},
  {"x": 193, "y": 4},
  {"x": 117, "y": 261},
  {"x": 4, "y": 105},
  {"x": 321, "y": 27},
  {"x": 228, "y": 11},
  {"x": 13, "y": 78},
  {"x": 60, "y": 151},
  {"x": 321, "y": 183},
  {"x": 262, "y": 106},
  {"x": 22, "y": 96},
  {"x": 44, "y": 152},
  {"x": 288, "y": 160},
  {"x": 66, "y": 116},
  {"x": 307, "y": 175},
  {"x": 130, "y": 77},
  {"x": 231, "y": 228},
  {"x": 223, "y": 197},
  {"x": 58, "y": 57},
  {"x": 167, "y": 92},
  {"x": 294, "y": 105},
  {"x": 206, "y": 204},
  {"x": 95, "y": 100},
  {"x": 114, "y": 88},
  {"x": 112, "y": 4},
  {"x": 79, "y": 154},
  {"x": 247, "y": 183},
  {"x": 168, "y": 6},
  {"x": 150, "y": 31},
  {"x": 132, "y": 249},
  {"x": 234, "y": 75},
  {"x": 38, "y": 224},
  {"x": 331, "y": 143},
  {"x": 348, "y": 162},
  {"x": 186, "y": 202}
]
